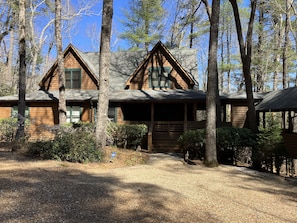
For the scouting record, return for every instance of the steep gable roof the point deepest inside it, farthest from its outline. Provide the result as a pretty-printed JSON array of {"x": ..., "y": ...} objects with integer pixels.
[
  {"x": 159, "y": 47},
  {"x": 124, "y": 63},
  {"x": 83, "y": 60}
]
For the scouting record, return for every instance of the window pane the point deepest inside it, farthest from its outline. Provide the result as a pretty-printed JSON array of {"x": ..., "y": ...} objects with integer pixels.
[
  {"x": 14, "y": 112},
  {"x": 160, "y": 77},
  {"x": 76, "y": 84},
  {"x": 73, "y": 114},
  {"x": 73, "y": 79}
]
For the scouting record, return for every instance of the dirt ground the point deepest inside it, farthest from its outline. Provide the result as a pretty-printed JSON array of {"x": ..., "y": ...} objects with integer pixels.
[{"x": 164, "y": 189}]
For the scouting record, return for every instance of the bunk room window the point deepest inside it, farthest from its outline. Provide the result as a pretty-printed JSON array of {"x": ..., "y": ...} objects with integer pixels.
[
  {"x": 73, "y": 78},
  {"x": 159, "y": 77}
]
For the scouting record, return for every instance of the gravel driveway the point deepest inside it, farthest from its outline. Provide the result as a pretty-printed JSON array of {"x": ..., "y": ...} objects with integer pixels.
[{"x": 164, "y": 190}]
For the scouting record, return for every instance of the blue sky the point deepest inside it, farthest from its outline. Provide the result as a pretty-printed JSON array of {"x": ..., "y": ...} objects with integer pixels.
[{"x": 88, "y": 26}]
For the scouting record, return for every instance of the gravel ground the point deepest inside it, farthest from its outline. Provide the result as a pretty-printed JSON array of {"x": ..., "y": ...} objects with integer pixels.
[{"x": 163, "y": 190}]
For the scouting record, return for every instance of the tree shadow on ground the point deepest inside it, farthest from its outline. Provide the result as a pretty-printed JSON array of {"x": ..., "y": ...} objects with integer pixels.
[{"x": 63, "y": 194}]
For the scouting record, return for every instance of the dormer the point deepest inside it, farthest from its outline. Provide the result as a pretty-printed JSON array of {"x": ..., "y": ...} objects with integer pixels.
[
  {"x": 159, "y": 71},
  {"x": 79, "y": 72}
]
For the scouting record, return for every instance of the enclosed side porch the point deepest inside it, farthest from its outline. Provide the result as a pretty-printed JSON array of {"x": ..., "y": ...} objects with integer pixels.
[{"x": 166, "y": 121}]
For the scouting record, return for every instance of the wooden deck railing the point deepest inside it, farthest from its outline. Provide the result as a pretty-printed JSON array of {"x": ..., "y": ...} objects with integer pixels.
[{"x": 164, "y": 132}]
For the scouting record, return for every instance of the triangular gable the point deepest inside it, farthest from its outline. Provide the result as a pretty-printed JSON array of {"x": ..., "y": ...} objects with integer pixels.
[
  {"x": 160, "y": 47},
  {"x": 81, "y": 59}
]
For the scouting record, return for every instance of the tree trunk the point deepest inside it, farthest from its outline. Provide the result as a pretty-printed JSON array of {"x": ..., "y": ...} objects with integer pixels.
[
  {"x": 20, "y": 133},
  {"x": 212, "y": 87},
  {"x": 285, "y": 47},
  {"x": 104, "y": 63},
  {"x": 246, "y": 55},
  {"x": 61, "y": 73},
  {"x": 260, "y": 69}
]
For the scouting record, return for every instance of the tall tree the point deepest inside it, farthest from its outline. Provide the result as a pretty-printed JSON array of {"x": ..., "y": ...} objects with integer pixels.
[
  {"x": 104, "y": 64},
  {"x": 143, "y": 23},
  {"x": 20, "y": 133},
  {"x": 61, "y": 73},
  {"x": 286, "y": 44},
  {"x": 212, "y": 87},
  {"x": 245, "y": 48}
]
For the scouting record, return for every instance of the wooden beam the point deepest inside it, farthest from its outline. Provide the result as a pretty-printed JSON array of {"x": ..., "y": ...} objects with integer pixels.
[
  {"x": 185, "y": 117},
  {"x": 151, "y": 129}
]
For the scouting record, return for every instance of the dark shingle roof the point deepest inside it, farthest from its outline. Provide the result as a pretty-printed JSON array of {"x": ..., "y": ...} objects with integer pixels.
[
  {"x": 114, "y": 96},
  {"x": 122, "y": 66},
  {"x": 242, "y": 96},
  {"x": 124, "y": 63},
  {"x": 280, "y": 100}
]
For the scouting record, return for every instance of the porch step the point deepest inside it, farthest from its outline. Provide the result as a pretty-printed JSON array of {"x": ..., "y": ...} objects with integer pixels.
[{"x": 166, "y": 146}]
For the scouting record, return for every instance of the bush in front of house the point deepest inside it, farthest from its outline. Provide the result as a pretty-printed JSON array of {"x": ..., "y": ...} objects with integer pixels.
[
  {"x": 229, "y": 140},
  {"x": 194, "y": 142},
  {"x": 8, "y": 127},
  {"x": 70, "y": 144},
  {"x": 129, "y": 136},
  {"x": 270, "y": 150}
]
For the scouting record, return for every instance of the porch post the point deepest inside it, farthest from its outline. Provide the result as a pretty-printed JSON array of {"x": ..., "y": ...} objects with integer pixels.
[
  {"x": 195, "y": 111},
  {"x": 185, "y": 117},
  {"x": 150, "y": 132}
]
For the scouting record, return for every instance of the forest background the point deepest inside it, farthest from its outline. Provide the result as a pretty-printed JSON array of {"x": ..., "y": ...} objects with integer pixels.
[{"x": 177, "y": 23}]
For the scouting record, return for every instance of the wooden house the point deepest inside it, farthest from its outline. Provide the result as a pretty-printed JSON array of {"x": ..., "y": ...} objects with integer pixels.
[{"x": 158, "y": 89}]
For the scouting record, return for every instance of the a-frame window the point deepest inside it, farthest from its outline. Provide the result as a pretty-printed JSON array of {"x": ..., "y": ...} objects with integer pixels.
[
  {"x": 159, "y": 77},
  {"x": 73, "y": 78}
]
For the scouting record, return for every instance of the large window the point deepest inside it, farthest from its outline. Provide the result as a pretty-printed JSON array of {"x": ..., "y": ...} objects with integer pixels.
[
  {"x": 73, "y": 114},
  {"x": 14, "y": 112},
  {"x": 159, "y": 77},
  {"x": 73, "y": 78}
]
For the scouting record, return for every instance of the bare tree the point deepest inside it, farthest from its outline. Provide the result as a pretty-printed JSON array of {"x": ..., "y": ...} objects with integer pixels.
[
  {"x": 212, "y": 87},
  {"x": 20, "y": 133},
  {"x": 246, "y": 57},
  {"x": 104, "y": 64},
  {"x": 61, "y": 73}
]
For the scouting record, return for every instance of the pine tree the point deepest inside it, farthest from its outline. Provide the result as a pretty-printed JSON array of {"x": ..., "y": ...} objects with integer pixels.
[{"x": 143, "y": 24}]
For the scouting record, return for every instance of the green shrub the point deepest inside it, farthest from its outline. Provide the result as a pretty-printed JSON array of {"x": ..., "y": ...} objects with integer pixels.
[
  {"x": 8, "y": 128},
  {"x": 193, "y": 141},
  {"x": 70, "y": 144},
  {"x": 229, "y": 140},
  {"x": 129, "y": 136},
  {"x": 270, "y": 147}
]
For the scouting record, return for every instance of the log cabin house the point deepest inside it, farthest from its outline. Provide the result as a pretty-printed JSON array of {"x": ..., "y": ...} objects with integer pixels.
[{"x": 159, "y": 89}]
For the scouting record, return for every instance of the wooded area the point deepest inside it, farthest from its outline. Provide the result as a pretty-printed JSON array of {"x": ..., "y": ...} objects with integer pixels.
[
  {"x": 179, "y": 23},
  {"x": 251, "y": 46}
]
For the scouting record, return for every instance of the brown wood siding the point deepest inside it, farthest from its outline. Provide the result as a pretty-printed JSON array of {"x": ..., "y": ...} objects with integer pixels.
[
  {"x": 71, "y": 62},
  {"x": 86, "y": 113},
  {"x": 43, "y": 116},
  {"x": 141, "y": 81},
  {"x": 5, "y": 111},
  {"x": 238, "y": 115},
  {"x": 120, "y": 116}
]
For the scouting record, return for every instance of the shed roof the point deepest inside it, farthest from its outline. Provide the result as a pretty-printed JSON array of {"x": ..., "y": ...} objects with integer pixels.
[
  {"x": 279, "y": 100},
  {"x": 258, "y": 96}
]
